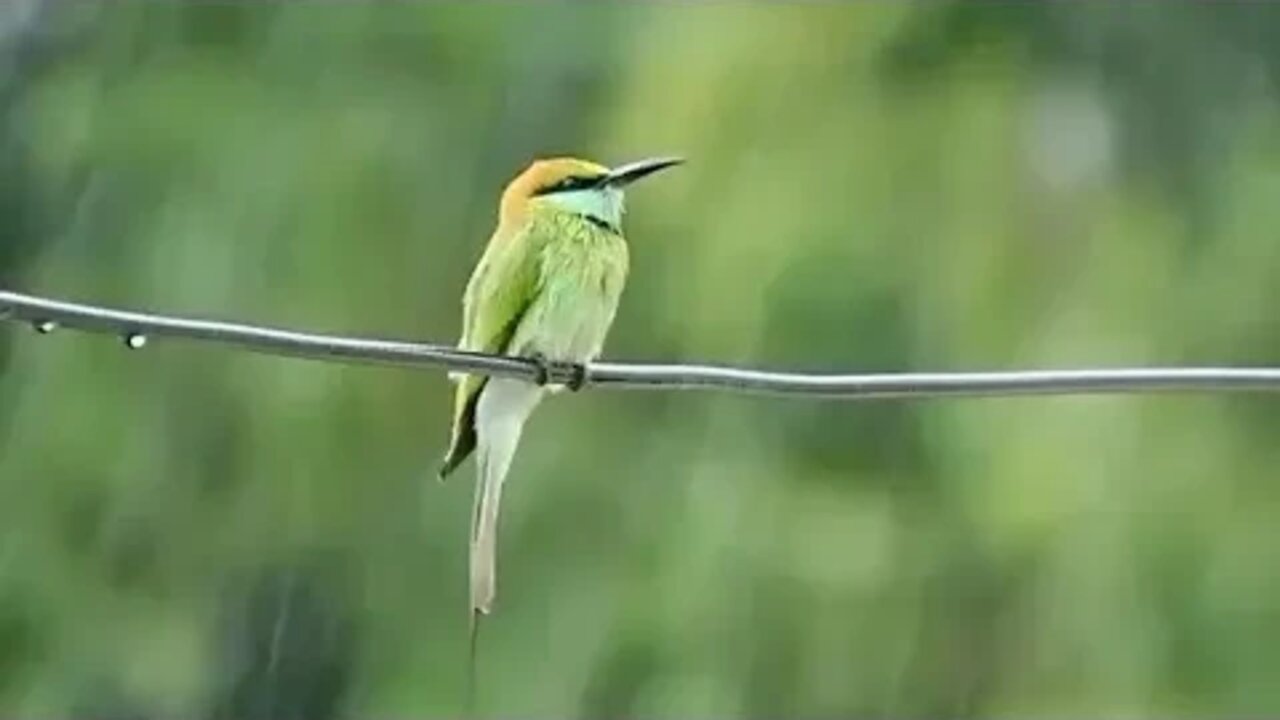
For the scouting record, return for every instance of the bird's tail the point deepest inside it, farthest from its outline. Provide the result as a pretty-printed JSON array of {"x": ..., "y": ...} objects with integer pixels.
[
  {"x": 484, "y": 530},
  {"x": 500, "y": 414},
  {"x": 504, "y": 406}
]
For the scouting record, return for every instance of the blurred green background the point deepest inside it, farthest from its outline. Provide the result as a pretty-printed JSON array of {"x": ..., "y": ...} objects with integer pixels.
[{"x": 193, "y": 531}]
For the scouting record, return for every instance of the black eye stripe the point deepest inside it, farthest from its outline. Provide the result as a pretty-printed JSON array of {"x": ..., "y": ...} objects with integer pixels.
[{"x": 579, "y": 182}]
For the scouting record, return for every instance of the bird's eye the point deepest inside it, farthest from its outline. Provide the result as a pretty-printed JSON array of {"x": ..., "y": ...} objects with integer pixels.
[{"x": 569, "y": 183}]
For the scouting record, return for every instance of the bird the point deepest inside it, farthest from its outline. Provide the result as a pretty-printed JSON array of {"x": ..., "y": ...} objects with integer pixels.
[{"x": 547, "y": 288}]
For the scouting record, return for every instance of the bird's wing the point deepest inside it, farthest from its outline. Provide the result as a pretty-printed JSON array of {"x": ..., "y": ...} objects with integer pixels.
[{"x": 504, "y": 284}]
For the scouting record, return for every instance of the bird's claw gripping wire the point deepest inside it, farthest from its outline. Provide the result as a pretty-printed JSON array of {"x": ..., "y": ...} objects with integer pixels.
[
  {"x": 542, "y": 369},
  {"x": 546, "y": 370},
  {"x": 577, "y": 376}
]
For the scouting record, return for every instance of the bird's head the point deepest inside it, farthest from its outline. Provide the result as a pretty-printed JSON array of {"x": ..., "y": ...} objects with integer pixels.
[{"x": 578, "y": 186}]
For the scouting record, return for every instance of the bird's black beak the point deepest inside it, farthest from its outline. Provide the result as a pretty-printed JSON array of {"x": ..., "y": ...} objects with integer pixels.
[{"x": 624, "y": 175}]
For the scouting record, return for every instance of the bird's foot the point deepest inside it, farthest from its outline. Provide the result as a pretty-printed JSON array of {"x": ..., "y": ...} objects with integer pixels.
[
  {"x": 542, "y": 375},
  {"x": 549, "y": 371},
  {"x": 577, "y": 376}
]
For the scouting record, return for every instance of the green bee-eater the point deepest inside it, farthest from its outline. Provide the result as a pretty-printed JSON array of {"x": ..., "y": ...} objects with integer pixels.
[{"x": 546, "y": 287}]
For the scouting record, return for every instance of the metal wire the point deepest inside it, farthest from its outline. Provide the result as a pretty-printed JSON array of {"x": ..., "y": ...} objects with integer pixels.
[{"x": 137, "y": 328}]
